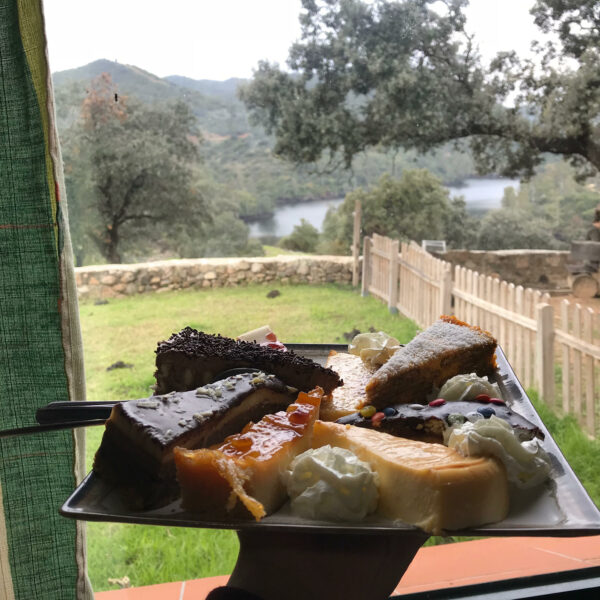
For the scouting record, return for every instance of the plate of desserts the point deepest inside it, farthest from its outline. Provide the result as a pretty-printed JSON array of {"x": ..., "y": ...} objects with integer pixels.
[{"x": 370, "y": 437}]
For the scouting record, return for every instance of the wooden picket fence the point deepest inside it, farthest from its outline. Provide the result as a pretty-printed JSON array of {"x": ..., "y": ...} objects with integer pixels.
[
  {"x": 558, "y": 355},
  {"x": 408, "y": 279},
  {"x": 509, "y": 311},
  {"x": 578, "y": 359}
]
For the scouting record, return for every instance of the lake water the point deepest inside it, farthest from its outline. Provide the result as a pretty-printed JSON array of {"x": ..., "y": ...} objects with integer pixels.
[{"x": 481, "y": 195}]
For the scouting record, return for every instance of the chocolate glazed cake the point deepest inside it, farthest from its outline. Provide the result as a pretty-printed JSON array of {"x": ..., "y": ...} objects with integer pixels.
[
  {"x": 427, "y": 422},
  {"x": 137, "y": 447},
  {"x": 192, "y": 358}
]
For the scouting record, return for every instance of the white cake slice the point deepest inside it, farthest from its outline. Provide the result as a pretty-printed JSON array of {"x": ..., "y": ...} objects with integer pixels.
[{"x": 427, "y": 485}]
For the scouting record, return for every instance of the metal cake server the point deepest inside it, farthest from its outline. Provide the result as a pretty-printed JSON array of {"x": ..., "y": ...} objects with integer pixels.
[{"x": 68, "y": 415}]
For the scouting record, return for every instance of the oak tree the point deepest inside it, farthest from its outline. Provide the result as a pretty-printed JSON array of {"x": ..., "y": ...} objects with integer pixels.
[
  {"x": 130, "y": 170},
  {"x": 406, "y": 74}
]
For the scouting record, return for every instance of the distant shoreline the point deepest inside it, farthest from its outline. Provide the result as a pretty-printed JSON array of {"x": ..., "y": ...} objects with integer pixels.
[
  {"x": 454, "y": 186},
  {"x": 266, "y": 215}
]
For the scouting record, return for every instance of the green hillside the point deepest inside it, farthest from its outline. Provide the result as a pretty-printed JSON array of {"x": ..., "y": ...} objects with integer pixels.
[
  {"x": 221, "y": 89},
  {"x": 238, "y": 153},
  {"x": 238, "y": 179},
  {"x": 216, "y": 113}
]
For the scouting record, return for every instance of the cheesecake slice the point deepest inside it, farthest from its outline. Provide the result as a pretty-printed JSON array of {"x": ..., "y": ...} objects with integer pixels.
[
  {"x": 447, "y": 348},
  {"x": 427, "y": 485},
  {"x": 136, "y": 451},
  {"x": 247, "y": 466},
  {"x": 347, "y": 398}
]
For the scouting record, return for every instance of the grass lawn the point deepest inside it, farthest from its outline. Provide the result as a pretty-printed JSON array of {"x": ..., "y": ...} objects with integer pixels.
[
  {"x": 277, "y": 251},
  {"x": 128, "y": 329}
]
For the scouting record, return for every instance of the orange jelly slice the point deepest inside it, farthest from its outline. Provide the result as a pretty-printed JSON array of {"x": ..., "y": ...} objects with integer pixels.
[{"x": 247, "y": 466}]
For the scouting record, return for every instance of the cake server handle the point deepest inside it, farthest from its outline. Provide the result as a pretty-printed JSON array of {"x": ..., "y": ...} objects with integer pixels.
[
  {"x": 65, "y": 415},
  {"x": 76, "y": 411},
  {"x": 49, "y": 427}
]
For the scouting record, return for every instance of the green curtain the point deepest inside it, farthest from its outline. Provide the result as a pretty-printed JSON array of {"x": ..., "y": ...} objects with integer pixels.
[{"x": 42, "y": 555}]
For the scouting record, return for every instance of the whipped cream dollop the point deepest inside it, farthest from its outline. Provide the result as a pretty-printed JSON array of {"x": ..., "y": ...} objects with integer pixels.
[
  {"x": 331, "y": 484},
  {"x": 374, "y": 348},
  {"x": 466, "y": 387},
  {"x": 527, "y": 464}
]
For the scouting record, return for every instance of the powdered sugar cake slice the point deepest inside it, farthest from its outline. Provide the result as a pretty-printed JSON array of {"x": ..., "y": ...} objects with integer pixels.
[{"x": 447, "y": 348}]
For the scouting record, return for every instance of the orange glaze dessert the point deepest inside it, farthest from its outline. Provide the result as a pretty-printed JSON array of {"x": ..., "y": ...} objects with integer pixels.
[{"x": 248, "y": 465}]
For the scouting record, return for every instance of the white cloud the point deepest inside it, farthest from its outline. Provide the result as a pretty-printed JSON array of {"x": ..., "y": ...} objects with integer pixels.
[
  {"x": 202, "y": 39},
  {"x": 501, "y": 25},
  {"x": 218, "y": 39}
]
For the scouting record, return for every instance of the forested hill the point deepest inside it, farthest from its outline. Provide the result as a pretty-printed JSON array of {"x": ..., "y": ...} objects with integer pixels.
[
  {"x": 221, "y": 89},
  {"x": 213, "y": 102},
  {"x": 237, "y": 156}
]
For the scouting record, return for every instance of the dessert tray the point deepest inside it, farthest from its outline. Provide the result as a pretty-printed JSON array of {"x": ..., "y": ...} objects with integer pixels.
[{"x": 560, "y": 507}]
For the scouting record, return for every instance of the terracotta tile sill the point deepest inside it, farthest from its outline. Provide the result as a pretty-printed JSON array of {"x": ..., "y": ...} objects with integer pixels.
[{"x": 436, "y": 567}]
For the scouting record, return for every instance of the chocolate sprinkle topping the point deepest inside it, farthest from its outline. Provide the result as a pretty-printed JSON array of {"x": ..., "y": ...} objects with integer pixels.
[{"x": 198, "y": 345}]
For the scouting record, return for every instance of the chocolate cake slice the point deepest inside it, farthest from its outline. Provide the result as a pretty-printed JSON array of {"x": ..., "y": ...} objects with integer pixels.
[
  {"x": 192, "y": 358},
  {"x": 428, "y": 422},
  {"x": 137, "y": 447}
]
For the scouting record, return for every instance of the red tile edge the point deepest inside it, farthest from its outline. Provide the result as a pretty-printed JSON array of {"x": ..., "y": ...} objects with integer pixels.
[
  {"x": 198, "y": 589},
  {"x": 494, "y": 559},
  {"x": 160, "y": 591},
  {"x": 434, "y": 567}
]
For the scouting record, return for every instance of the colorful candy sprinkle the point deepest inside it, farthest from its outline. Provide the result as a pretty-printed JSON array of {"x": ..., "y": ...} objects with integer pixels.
[
  {"x": 274, "y": 346},
  {"x": 437, "y": 402},
  {"x": 416, "y": 406},
  {"x": 498, "y": 401},
  {"x": 367, "y": 411},
  {"x": 455, "y": 419},
  {"x": 377, "y": 418},
  {"x": 486, "y": 411},
  {"x": 482, "y": 398},
  {"x": 389, "y": 411},
  {"x": 474, "y": 416}
]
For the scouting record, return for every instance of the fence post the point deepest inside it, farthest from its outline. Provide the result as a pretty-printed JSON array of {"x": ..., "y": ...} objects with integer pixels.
[
  {"x": 366, "y": 267},
  {"x": 393, "y": 297},
  {"x": 356, "y": 242},
  {"x": 446, "y": 292},
  {"x": 544, "y": 372}
]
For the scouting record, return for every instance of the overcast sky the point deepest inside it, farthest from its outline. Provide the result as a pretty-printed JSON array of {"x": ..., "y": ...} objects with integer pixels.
[{"x": 218, "y": 39}]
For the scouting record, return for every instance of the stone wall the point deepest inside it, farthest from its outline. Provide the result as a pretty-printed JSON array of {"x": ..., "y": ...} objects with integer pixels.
[
  {"x": 541, "y": 269},
  {"x": 110, "y": 281}
]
